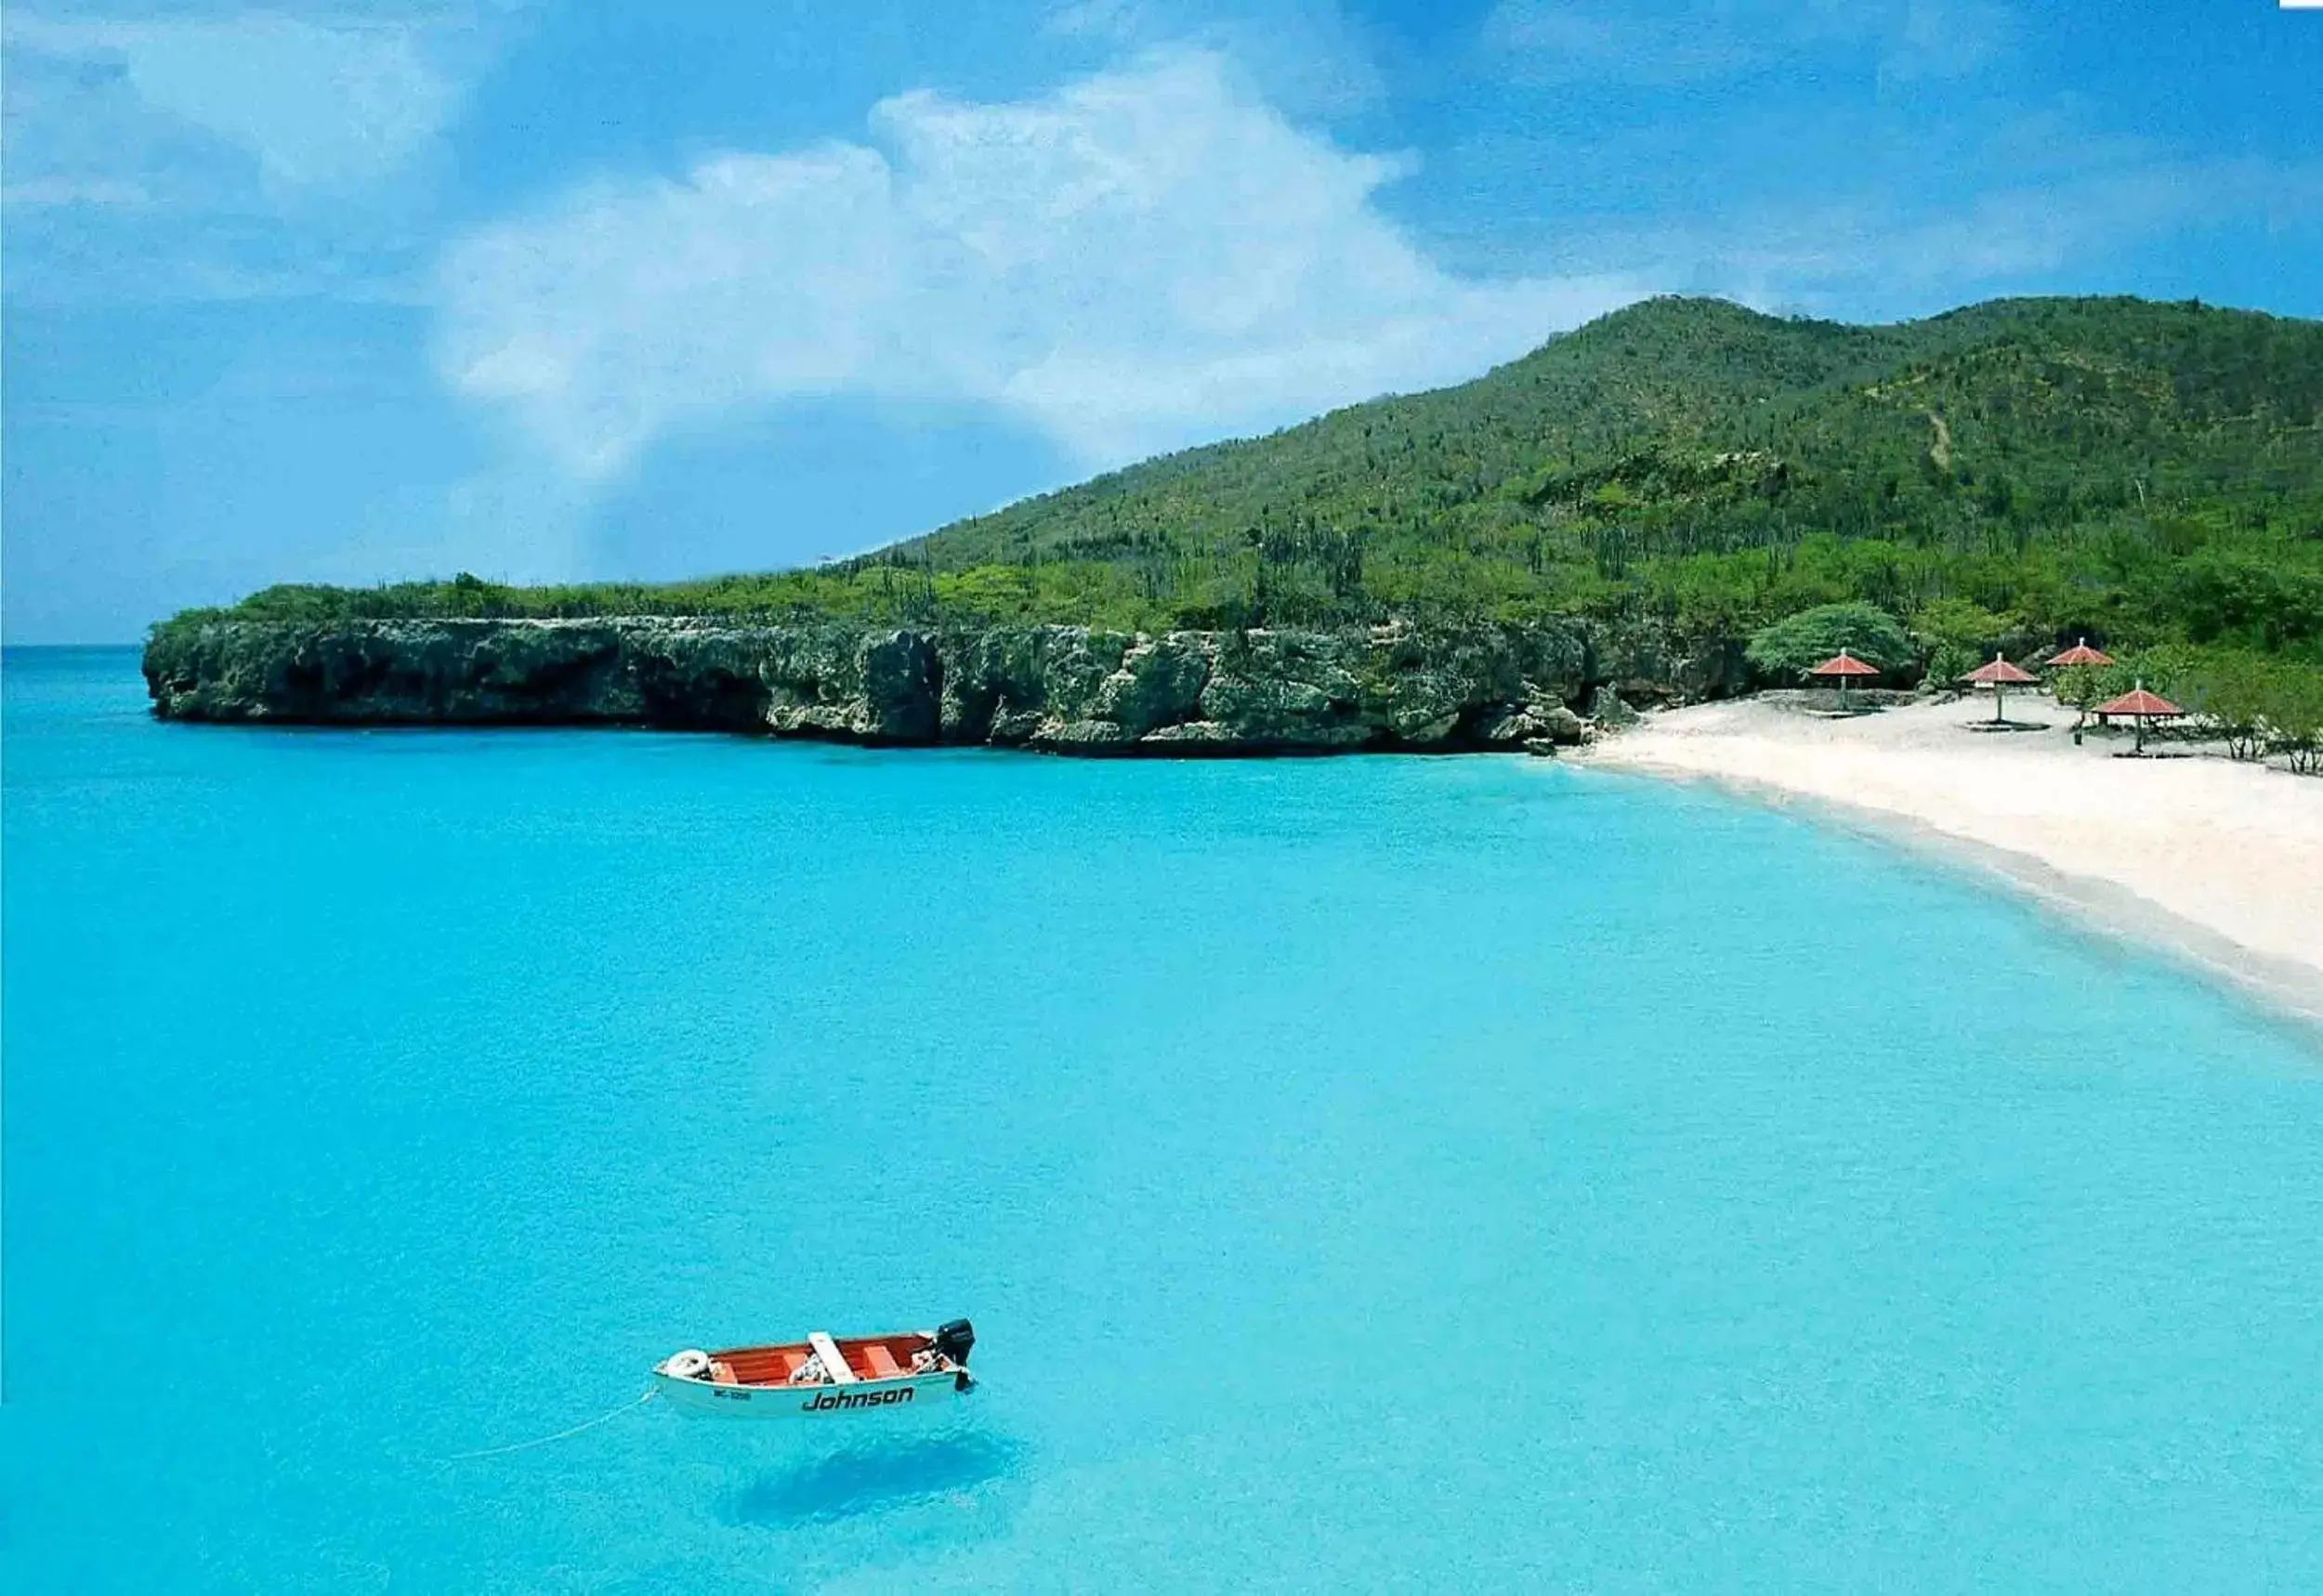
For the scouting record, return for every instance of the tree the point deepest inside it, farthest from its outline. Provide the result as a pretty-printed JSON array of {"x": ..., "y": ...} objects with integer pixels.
[
  {"x": 2080, "y": 685},
  {"x": 2286, "y": 707},
  {"x": 2297, "y": 718},
  {"x": 2234, "y": 692},
  {"x": 1789, "y": 648}
]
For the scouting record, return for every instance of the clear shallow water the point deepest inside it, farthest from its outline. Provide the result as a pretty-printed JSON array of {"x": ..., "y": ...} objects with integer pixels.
[{"x": 1436, "y": 1174}]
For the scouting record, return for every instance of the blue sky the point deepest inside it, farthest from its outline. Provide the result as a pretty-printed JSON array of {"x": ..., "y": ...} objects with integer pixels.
[{"x": 552, "y": 290}]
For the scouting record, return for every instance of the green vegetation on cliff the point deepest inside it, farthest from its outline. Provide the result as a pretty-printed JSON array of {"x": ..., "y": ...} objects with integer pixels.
[{"x": 2003, "y": 475}]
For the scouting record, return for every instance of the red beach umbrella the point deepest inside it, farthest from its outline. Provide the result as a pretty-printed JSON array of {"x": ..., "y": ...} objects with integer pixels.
[
  {"x": 2081, "y": 653},
  {"x": 1841, "y": 666},
  {"x": 2000, "y": 676},
  {"x": 2140, "y": 706}
]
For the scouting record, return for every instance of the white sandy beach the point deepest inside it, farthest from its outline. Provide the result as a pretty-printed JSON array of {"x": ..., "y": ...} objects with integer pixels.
[{"x": 2221, "y": 862}]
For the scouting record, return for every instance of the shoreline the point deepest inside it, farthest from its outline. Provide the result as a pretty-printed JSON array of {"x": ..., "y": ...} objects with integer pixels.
[{"x": 1880, "y": 782}]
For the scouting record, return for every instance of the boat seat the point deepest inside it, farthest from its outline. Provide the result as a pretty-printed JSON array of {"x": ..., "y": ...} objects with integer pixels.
[
  {"x": 834, "y": 1364},
  {"x": 883, "y": 1362},
  {"x": 721, "y": 1372},
  {"x": 792, "y": 1362}
]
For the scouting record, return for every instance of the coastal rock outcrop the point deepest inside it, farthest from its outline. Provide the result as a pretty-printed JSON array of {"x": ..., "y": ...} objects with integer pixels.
[
  {"x": 1066, "y": 689},
  {"x": 1609, "y": 710},
  {"x": 1647, "y": 663}
]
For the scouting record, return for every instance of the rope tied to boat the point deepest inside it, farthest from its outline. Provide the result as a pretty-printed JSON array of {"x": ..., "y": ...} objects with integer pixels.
[{"x": 606, "y": 1418}]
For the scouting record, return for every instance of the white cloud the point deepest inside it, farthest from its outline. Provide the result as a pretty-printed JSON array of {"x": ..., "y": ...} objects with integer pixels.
[
  {"x": 1307, "y": 58},
  {"x": 633, "y": 305},
  {"x": 1139, "y": 260},
  {"x": 230, "y": 154},
  {"x": 317, "y": 104}
]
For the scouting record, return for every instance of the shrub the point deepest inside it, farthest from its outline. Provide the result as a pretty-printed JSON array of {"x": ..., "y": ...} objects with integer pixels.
[{"x": 1950, "y": 661}]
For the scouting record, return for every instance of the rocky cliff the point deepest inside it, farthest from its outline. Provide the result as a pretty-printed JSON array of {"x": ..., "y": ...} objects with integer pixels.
[{"x": 1062, "y": 688}]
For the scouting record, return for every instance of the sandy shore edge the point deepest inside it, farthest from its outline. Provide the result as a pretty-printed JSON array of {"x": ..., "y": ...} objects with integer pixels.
[
  {"x": 2079, "y": 902},
  {"x": 2082, "y": 905}
]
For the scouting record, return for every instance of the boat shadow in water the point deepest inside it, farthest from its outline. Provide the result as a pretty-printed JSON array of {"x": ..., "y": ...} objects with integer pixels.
[{"x": 870, "y": 1477}]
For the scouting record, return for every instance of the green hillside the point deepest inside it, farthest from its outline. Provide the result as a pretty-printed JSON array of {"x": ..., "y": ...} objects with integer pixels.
[{"x": 2148, "y": 473}]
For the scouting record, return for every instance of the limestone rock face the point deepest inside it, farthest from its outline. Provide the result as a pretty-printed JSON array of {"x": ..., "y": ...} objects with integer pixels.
[
  {"x": 1065, "y": 688},
  {"x": 1646, "y": 660},
  {"x": 1158, "y": 683}
]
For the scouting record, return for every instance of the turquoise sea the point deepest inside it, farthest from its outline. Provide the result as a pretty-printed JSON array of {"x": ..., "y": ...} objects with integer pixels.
[{"x": 1450, "y": 1174}]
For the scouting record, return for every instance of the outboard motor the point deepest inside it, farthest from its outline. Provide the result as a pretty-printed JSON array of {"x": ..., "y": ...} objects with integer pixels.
[{"x": 954, "y": 1339}]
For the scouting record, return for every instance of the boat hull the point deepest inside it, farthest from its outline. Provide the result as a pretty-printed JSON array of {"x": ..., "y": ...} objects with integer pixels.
[{"x": 705, "y": 1400}]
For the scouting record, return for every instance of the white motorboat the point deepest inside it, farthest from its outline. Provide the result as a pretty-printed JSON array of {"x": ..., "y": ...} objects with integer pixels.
[{"x": 823, "y": 1375}]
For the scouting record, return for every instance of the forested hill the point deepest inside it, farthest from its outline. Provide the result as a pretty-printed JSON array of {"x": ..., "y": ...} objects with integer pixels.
[
  {"x": 2049, "y": 457},
  {"x": 2144, "y": 471}
]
